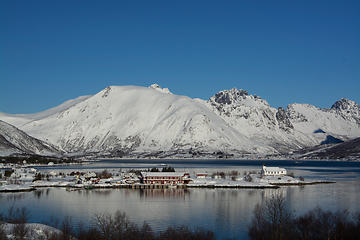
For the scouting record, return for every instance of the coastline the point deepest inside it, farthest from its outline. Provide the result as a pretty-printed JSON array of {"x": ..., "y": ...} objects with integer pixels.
[{"x": 33, "y": 187}]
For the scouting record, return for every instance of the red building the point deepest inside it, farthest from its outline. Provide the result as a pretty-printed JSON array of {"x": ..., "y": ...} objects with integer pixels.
[{"x": 165, "y": 178}]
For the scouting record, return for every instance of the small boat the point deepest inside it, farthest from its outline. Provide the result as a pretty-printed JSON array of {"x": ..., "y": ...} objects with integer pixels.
[
  {"x": 88, "y": 187},
  {"x": 162, "y": 165},
  {"x": 172, "y": 186}
]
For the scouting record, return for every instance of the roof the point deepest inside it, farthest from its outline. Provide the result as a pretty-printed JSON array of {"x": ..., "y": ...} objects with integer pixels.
[
  {"x": 162, "y": 174},
  {"x": 273, "y": 169}
]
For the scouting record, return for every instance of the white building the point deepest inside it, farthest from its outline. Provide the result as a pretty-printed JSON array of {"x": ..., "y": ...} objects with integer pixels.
[{"x": 272, "y": 171}]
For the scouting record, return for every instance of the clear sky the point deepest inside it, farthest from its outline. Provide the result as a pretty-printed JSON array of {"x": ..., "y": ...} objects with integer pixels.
[{"x": 304, "y": 51}]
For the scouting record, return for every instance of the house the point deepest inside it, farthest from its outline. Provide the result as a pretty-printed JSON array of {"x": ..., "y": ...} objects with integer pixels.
[
  {"x": 272, "y": 171},
  {"x": 165, "y": 178},
  {"x": 201, "y": 175}
]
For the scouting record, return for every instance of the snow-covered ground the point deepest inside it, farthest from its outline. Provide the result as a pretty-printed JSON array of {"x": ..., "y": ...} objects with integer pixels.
[
  {"x": 34, "y": 231},
  {"x": 22, "y": 179},
  {"x": 240, "y": 181}
]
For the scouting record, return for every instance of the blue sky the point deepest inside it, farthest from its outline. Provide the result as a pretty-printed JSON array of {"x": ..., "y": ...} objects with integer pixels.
[{"x": 283, "y": 51}]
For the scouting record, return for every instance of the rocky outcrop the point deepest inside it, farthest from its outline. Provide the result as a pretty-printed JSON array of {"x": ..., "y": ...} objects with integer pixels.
[
  {"x": 348, "y": 109},
  {"x": 283, "y": 120}
]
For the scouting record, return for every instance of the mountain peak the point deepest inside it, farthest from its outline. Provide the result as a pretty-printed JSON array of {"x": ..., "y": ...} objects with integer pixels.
[
  {"x": 235, "y": 96},
  {"x": 347, "y": 109},
  {"x": 230, "y": 96},
  {"x": 345, "y": 104},
  {"x": 160, "y": 89}
]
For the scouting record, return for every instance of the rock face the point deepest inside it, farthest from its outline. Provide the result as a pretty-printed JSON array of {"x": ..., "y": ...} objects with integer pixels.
[
  {"x": 283, "y": 120},
  {"x": 230, "y": 96},
  {"x": 137, "y": 120}
]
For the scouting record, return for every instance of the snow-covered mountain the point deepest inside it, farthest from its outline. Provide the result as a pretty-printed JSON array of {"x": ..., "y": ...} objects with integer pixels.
[
  {"x": 13, "y": 140},
  {"x": 301, "y": 125},
  {"x": 129, "y": 119}
]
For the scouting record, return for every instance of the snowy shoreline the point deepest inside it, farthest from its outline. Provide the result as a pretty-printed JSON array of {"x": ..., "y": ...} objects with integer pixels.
[
  {"x": 258, "y": 183},
  {"x": 29, "y": 179}
]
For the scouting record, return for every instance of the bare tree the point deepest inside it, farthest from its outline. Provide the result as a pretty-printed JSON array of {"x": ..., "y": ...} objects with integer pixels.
[
  {"x": 118, "y": 226},
  {"x": 66, "y": 228},
  {"x": 248, "y": 178},
  {"x": 17, "y": 215},
  {"x": 272, "y": 220},
  {"x": 146, "y": 232}
]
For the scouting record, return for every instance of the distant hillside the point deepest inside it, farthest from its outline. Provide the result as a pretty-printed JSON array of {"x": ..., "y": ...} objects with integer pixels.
[
  {"x": 348, "y": 149},
  {"x": 13, "y": 140}
]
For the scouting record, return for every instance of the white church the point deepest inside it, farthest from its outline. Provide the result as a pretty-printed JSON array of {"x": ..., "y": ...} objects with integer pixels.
[{"x": 272, "y": 171}]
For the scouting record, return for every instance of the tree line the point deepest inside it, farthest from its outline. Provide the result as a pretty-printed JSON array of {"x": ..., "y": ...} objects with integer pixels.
[{"x": 273, "y": 220}]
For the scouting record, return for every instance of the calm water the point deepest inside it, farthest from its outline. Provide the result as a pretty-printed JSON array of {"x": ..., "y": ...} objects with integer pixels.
[{"x": 225, "y": 211}]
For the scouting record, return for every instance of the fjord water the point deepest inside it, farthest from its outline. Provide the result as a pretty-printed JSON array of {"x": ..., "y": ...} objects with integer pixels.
[{"x": 225, "y": 211}]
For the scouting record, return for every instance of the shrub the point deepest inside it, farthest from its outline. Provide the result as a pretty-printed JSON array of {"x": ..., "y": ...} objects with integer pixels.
[
  {"x": 183, "y": 232},
  {"x": 272, "y": 220},
  {"x": 17, "y": 215},
  {"x": 105, "y": 174},
  {"x": 248, "y": 178},
  {"x": 114, "y": 227},
  {"x": 291, "y": 175},
  {"x": 37, "y": 177},
  {"x": 2, "y": 232},
  {"x": 154, "y": 169},
  {"x": 168, "y": 169},
  {"x": 8, "y": 173}
]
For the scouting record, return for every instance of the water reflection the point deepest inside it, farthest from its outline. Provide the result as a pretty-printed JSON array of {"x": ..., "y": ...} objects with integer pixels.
[
  {"x": 166, "y": 194},
  {"x": 41, "y": 193},
  {"x": 14, "y": 196}
]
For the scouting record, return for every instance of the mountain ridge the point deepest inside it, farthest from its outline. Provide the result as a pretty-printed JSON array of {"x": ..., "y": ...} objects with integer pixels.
[{"x": 123, "y": 120}]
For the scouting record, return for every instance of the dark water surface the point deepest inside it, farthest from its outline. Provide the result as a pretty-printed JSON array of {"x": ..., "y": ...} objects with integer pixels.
[{"x": 225, "y": 211}]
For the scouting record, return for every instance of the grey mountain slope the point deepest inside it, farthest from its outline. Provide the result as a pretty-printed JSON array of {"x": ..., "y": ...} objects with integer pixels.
[
  {"x": 13, "y": 140},
  {"x": 337, "y": 150}
]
